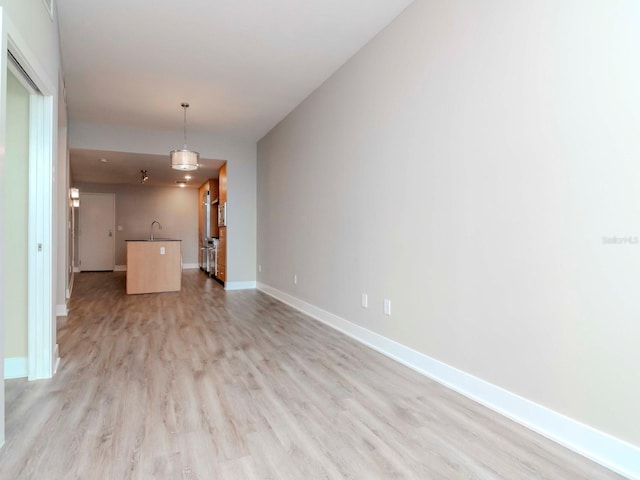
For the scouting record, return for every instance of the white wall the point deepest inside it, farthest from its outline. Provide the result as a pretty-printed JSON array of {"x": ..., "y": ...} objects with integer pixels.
[
  {"x": 137, "y": 206},
  {"x": 241, "y": 179},
  {"x": 31, "y": 25},
  {"x": 467, "y": 164}
]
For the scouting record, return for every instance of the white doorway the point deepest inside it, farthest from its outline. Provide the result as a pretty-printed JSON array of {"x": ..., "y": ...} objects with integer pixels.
[
  {"x": 96, "y": 232},
  {"x": 42, "y": 348}
]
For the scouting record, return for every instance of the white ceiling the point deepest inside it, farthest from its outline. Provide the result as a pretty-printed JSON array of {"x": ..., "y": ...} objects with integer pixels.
[
  {"x": 125, "y": 168},
  {"x": 243, "y": 65}
]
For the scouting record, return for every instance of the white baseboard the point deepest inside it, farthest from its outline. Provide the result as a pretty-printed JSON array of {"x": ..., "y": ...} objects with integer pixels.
[
  {"x": 239, "y": 285},
  {"x": 120, "y": 268},
  {"x": 16, "y": 367},
  {"x": 61, "y": 310},
  {"x": 611, "y": 452}
]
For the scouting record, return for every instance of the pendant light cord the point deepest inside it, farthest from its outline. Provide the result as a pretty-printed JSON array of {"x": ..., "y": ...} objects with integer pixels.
[{"x": 185, "y": 106}]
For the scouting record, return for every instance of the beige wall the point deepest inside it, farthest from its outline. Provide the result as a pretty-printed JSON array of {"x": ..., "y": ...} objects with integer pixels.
[
  {"x": 467, "y": 164},
  {"x": 15, "y": 201},
  {"x": 137, "y": 206}
]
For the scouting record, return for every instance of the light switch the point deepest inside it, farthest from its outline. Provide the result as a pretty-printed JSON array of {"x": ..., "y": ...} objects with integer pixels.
[
  {"x": 161, "y": 250},
  {"x": 387, "y": 306}
]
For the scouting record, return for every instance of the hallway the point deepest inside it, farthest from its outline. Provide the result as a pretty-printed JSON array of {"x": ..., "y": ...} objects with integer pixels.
[{"x": 235, "y": 385}]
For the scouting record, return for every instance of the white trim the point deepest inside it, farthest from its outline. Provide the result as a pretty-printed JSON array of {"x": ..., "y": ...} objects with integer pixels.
[
  {"x": 48, "y": 6},
  {"x": 61, "y": 310},
  {"x": 70, "y": 287},
  {"x": 16, "y": 367},
  {"x": 239, "y": 285},
  {"x": 41, "y": 321},
  {"x": 611, "y": 452},
  {"x": 76, "y": 270},
  {"x": 120, "y": 268},
  {"x": 56, "y": 355}
]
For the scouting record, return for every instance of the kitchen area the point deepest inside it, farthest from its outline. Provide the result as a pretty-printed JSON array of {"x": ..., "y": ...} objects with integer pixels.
[
  {"x": 212, "y": 226},
  {"x": 155, "y": 264},
  {"x": 153, "y": 230}
]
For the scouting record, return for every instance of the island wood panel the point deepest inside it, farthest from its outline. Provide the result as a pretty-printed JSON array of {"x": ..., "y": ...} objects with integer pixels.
[{"x": 150, "y": 271}]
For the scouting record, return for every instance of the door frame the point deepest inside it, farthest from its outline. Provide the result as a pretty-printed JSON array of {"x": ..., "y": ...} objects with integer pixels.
[
  {"x": 41, "y": 333},
  {"x": 3, "y": 142},
  {"x": 41, "y": 323}
]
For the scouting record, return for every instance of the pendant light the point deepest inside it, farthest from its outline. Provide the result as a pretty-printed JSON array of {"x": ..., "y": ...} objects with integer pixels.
[{"x": 184, "y": 159}]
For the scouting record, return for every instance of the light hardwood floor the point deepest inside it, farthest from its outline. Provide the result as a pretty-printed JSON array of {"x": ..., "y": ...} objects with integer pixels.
[{"x": 206, "y": 384}]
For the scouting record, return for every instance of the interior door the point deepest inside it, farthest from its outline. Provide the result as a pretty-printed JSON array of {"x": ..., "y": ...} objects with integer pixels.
[{"x": 96, "y": 231}]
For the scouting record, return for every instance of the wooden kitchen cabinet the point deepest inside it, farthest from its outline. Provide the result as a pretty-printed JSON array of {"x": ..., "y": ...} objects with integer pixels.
[
  {"x": 222, "y": 246},
  {"x": 222, "y": 253},
  {"x": 222, "y": 273},
  {"x": 222, "y": 231},
  {"x": 213, "y": 206},
  {"x": 222, "y": 184}
]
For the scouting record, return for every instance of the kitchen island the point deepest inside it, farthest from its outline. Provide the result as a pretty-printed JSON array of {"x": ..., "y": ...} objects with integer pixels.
[{"x": 154, "y": 266}]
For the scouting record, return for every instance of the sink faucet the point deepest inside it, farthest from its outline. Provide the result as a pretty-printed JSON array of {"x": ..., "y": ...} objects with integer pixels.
[{"x": 152, "y": 224}]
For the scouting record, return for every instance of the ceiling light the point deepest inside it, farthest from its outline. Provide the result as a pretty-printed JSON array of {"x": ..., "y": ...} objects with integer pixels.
[
  {"x": 181, "y": 183},
  {"x": 187, "y": 177},
  {"x": 143, "y": 176},
  {"x": 104, "y": 160},
  {"x": 184, "y": 159}
]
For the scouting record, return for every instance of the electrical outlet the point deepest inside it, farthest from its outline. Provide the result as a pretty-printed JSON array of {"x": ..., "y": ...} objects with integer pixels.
[
  {"x": 295, "y": 279},
  {"x": 162, "y": 251},
  {"x": 387, "y": 306},
  {"x": 365, "y": 300}
]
